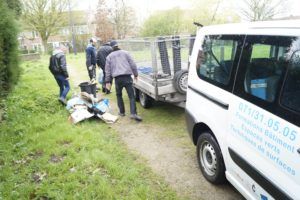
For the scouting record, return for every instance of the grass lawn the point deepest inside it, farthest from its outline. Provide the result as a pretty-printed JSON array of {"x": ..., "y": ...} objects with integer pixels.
[{"x": 43, "y": 156}]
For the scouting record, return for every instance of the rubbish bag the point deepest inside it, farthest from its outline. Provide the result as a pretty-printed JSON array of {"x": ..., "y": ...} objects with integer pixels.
[
  {"x": 100, "y": 76},
  {"x": 103, "y": 106}
]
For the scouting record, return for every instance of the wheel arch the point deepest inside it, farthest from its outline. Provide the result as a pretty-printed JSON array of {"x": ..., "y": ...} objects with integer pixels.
[{"x": 201, "y": 128}]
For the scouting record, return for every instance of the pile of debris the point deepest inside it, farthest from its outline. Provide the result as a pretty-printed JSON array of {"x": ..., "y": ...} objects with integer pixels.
[{"x": 85, "y": 106}]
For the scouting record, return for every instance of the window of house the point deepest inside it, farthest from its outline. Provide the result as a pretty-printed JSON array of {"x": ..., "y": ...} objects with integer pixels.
[{"x": 34, "y": 34}]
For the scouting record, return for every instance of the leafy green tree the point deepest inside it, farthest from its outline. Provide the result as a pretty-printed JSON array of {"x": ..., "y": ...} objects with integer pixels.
[
  {"x": 168, "y": 22},
  {"x": 9, "y": 70},
  {"x": 44, "y": 16},
  {"x": 175, "y": 21}
]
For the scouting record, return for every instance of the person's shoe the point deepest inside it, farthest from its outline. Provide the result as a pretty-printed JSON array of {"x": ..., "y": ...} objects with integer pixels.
[
  {"x": 136, "y": 117},
  {"x": 107, "y": 91},
  {"x": 62, "y": 100},
  {"x": 122, "y": 114},
  {"x": 104, "y": 90}
]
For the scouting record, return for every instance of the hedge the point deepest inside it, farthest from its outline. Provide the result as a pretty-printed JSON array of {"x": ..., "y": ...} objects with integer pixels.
[{"x": 9, "y": 69}]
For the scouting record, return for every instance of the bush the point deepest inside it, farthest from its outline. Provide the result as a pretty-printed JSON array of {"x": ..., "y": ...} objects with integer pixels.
[
  {"x": 81, "y": 42},
  {"x": 9, "y": 69}
]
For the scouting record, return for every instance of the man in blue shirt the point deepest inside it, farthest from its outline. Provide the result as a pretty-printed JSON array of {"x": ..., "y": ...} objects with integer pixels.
[{"x": 91, "y": 59}]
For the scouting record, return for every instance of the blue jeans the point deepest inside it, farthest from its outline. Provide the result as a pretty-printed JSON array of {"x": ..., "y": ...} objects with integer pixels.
[{"x": 63, "y": 84}]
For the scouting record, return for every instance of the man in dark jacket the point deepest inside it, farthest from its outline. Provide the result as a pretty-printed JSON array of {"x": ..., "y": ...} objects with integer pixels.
[
  {"x": 102, "y": 53},
  {"x": 58, "y": 67},
  {"x": 91, "y": 59},
  {"x": 120, "y": 66}
]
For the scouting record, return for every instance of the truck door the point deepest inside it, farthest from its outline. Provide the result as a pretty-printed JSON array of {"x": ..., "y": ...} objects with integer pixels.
[{"x": 264, "y": 135}]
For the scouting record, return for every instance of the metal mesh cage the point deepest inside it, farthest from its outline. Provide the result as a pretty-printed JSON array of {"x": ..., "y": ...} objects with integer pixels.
[{"x": 159, "y": 57}]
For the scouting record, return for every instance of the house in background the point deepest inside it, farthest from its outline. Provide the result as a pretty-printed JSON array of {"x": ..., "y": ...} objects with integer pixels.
[{"x": 83, "y": 28}]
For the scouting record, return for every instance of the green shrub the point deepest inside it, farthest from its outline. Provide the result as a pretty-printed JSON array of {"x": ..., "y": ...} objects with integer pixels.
[{"x": 9, "y": 69}]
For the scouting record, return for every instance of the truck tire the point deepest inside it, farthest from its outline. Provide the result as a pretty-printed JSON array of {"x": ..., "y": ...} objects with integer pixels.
[
  {"x": 210, "y": 159},
  {"x": 181, "y": 81},
  {"x": 145, "y": 100}
]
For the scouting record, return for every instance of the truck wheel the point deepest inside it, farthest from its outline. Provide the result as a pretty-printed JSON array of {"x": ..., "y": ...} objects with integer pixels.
[
  {"x": 145, "y": 100},
  {"x": 181, "y": 81},
  {"x": 210, "y": 159},
  {"x": 136, "y": 94}
]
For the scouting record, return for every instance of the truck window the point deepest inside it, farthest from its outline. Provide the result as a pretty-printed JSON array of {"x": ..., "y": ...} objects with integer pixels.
[
  {"x": 291, "y": 90},
  {"x": 273, "y": 82},
  {"x": 216, "y": 58},
  {"x": 264, "y": 69}
]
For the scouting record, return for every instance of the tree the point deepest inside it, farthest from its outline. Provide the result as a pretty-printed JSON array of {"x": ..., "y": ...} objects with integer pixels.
[
  {"x": 176, "y": 21},
  {"x": 123, "y": 18},
  {"x": 114, "y": 21},
  {"x": 14, "y": 5},
  {"x": 104, "y": 28},
  {"x": 167, "y": 22},
  {"x": 44, "y": 16},
  {"x": 257, "y": 10},
  {"x": 209, "y": 12}
]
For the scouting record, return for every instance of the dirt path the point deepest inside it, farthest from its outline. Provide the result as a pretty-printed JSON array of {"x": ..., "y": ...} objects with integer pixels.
[{"x": 167, "y": 156}]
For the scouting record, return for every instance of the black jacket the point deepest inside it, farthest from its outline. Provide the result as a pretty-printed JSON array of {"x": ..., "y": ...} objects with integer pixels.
[
  {"x": 102, "y": 53},
  {"x": 58, "y": 65}
]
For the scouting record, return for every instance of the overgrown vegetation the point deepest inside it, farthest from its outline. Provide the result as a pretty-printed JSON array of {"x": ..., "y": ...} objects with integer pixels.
[
  {"x": 9, "y": 70},
  {"x": 42, "y": 156}
]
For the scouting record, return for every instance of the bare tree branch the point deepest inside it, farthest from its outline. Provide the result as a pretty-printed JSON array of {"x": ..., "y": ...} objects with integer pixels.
[
  {"x": 256, "y": 10},
  {"x": 120, "y": 18},
  {"x": 215, "y": 12}
]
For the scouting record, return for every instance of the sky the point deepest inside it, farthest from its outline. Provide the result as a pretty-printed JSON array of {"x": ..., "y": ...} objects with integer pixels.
[{"x": 144, "y": 8}]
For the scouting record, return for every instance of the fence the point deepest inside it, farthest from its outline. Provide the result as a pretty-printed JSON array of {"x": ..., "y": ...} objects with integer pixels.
[{"x": 161, "y": 55}]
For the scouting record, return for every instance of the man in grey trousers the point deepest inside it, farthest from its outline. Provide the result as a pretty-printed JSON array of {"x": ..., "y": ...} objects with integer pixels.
[{"x": 120, "y": 66}]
